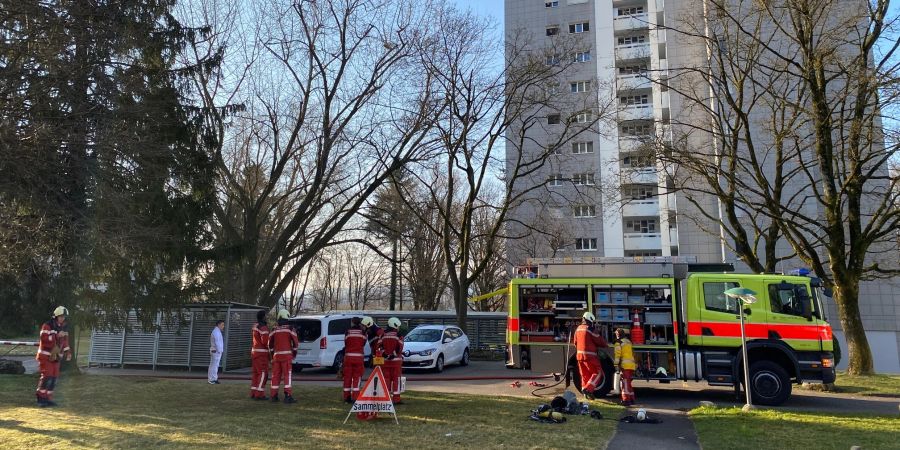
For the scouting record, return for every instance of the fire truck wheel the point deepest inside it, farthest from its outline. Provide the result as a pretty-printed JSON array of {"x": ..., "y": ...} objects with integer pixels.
[
  {"x": 606, "y": 384},
  {"x": 770, "y": 383}
]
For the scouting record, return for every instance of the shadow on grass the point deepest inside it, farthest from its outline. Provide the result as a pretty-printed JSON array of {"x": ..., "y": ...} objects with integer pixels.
[{"x": 137, "y": 413}]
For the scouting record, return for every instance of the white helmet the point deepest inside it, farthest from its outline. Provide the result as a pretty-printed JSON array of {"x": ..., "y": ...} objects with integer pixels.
[
  {"x": 589, "y": 316},
  {"x": 60, "y": 311},
  {"x": 394, "y": 322},
  {"x": 283, "y": 314},
  {"x": 367, "y": 321}
]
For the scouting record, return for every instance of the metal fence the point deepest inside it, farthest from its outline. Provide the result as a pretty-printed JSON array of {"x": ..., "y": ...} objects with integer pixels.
[{"x": 178, "y": 340}]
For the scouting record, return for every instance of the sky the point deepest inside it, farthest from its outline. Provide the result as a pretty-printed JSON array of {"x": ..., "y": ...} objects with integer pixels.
[{"x": 492, "y": 8}]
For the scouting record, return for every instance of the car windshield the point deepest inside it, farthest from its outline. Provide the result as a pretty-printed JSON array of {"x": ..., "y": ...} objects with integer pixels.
[{"x": 429, "y": 335}]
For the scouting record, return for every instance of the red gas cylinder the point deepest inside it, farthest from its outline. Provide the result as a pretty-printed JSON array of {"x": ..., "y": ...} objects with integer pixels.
[{"x": 637, "y": 332}]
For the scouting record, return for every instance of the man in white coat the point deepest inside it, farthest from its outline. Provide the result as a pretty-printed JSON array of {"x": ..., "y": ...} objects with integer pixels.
[{"x": 216, "y": 348}]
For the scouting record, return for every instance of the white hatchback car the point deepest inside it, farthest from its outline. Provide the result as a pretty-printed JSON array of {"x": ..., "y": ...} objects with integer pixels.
[{"x": 434, "y": 346}]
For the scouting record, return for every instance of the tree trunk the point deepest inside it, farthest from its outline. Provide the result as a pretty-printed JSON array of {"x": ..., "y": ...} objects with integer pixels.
[
  {"x": 846, "y": 295},
  {"x": 393, "y": 300},
  {"x": 462, "y": 308}
]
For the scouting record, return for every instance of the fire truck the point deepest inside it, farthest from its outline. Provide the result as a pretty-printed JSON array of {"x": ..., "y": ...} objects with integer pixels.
[{"x": 683, "y": 325}]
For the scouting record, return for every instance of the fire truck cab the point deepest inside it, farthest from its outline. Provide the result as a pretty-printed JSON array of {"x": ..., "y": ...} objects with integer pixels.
[{"x": 683, "y": 325}]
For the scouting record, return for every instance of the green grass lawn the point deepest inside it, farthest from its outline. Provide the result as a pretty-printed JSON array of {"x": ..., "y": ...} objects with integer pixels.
[
  {"x": 730, "y": 428},
  {"x": 876, "y": 385},
  {"x": 113, "y": 412}
]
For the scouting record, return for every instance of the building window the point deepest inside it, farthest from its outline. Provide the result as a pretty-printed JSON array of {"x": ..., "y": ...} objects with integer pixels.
[
  {"x": 640, "y": 226},
  {"x": 582, "y": 56},
  {"x": 585, "y": 244},
  {"x": 639, "y": 192},
  {"x": 583, "y": 179},
  {"x": 580, "y": 86},
  {"x": 580, "y": 117},
  {"x": 555, "y": 180},
  {"x": 552, "y": 60},
  {"x": 579, "y": 27},
  {"x": 633, "y": 70},
  {"x": 582, "y": 147},
  {"x": 640, "y": 254},
  {"x": 630, "y": 11},
  {"x": 632, "y": 40},
  {"x": 552, "y": 30},
  {"x": 584, "y": 211},
  {"x": 642, "y": 130},
  {"x": 639, "y": 161},
  {"x": 553, "y": 119},
  {"x": 554, "y": 4},
  {"x": 633, "y": 100}
]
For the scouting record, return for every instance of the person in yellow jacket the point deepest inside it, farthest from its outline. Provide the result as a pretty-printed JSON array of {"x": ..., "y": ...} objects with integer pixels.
[{"x": 624, "y": 359}]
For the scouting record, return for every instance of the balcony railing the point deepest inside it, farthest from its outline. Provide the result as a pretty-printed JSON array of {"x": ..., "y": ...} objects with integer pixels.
[
  {"x": 633, "y": 82},
  {"x": 636, "y": 112},
  {"x": 643, "y": 241},
  {"x": 632, "y": 22},
  {"x": 633, "y": 51},
  {"x": 641, "y": 208}
]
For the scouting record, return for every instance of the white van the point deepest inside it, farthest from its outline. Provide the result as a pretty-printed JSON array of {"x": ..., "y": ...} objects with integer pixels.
[{"x": 322, "y": 341}]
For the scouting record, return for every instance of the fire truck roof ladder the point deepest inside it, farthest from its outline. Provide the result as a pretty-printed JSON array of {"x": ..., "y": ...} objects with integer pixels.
[{"x": 624, "y": 267}]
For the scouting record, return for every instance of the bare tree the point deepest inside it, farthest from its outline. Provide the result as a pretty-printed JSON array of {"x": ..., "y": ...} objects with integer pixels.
[
  {"x": 492, "y": 108},
  {"x": 792, "y": 98},
  {"x": 335, "y": 102},
  {"x": 366, "y": 275}
]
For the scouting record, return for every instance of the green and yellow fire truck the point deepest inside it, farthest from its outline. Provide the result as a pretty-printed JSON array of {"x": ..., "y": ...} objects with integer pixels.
[{"x": 683, "y": 325}]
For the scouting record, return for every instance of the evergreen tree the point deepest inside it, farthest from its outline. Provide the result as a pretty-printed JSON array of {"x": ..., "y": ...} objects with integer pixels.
[{"x": 104, "y": 176}]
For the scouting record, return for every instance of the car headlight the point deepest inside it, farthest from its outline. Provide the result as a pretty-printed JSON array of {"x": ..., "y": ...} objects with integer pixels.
[{"x": 427, "y": 352}]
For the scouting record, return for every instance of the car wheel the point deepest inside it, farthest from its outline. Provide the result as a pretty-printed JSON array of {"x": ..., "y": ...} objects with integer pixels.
[
  {"x": 338, "y": 365},
  {"x": 465, "y": 358},
  {"x": 296, "y": 367},
  {"x": 439, "y": 364},
  {"x": 770, "y": 383}
]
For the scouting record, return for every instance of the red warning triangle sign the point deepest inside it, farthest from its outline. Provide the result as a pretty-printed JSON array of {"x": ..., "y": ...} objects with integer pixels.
[{"x": 375, "y": 388}]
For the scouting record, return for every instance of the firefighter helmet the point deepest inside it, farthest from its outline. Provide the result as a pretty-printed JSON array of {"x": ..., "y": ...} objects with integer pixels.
[
  {"x": 283, "y": 314},
  {"x": 60, "y": 311},
  {"x": 367, "y": 321},
  {"x": 588, "y": 316},
  {"x": 394, "y": 322}
]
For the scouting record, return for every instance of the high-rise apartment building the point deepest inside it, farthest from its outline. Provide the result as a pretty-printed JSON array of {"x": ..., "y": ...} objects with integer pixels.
[{"x": 603, "y": 195}]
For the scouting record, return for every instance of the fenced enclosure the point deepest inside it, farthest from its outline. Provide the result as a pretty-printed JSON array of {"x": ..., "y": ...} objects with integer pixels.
[{"x": 180, "y": 339}]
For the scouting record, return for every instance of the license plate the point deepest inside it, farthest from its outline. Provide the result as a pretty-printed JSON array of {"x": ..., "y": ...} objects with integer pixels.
[{"x": 303, "y": 352}]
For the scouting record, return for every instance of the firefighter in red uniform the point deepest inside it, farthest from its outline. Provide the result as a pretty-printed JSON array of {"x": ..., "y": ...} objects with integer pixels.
[
  {"x": 586, "y": 344},
  {"x": 259, "y": 355},
  {"x": 54, "y": 344},
  {"x": 373, "y": 334},
  {"x": 283, "y": 344},
  {"x": 392, "y": 350},
  {"x": 354, "y": 351}
]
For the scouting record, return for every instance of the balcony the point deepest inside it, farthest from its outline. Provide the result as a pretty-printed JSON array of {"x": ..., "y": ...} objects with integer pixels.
[
  {"x": 640, "y": 175},
  {"x": 641, "y": 208},
  {"x": 632, "y": 51},
  {"x": 673, "y": 237},
  {"x": 633, "y": 22},
  {"x": 643, "y": 241},
  {"x": 633, "y": 144},
  {"x": 636, "y": 112},
  {"x": 633, "y": 82}
]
